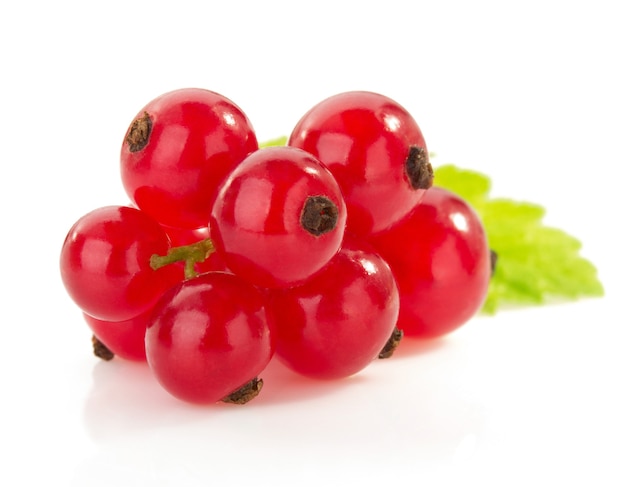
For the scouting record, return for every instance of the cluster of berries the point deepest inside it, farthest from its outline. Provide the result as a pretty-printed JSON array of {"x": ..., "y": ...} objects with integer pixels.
[{"x": 322, "y": 252}]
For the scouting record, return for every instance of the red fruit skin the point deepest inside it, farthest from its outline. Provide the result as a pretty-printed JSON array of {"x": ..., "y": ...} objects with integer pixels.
[
  {"x": 440, "y": 257},
  {"x": 186, "y": 236},
  {"x": 336, "y": 323},
  {"x": 197, "y": 138},
  {"x": 256, "y": 220},
  {"x": 105, "y": 263},
  {"x": 209, "y": 336},
  {"x": 364, "y": 139},
  {"x": 126, "y": 339}
]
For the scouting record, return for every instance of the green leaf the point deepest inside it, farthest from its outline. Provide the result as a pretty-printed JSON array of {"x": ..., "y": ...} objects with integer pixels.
[
  {"x": 278, "y": 141},
  {"x": 536, "y": 263},
  {"x": 472, "y": 186}
]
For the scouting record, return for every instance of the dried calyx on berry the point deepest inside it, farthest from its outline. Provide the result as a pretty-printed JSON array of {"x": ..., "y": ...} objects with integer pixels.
[
  {"x": 245, "y": 393},
  {"x": 418, "y": 168},
  {"x": 392, "y": 344},
  {"x": 100, "y": 350},
  {"x": 139, "y": 133},
  {"x": 319, "y": 215}
]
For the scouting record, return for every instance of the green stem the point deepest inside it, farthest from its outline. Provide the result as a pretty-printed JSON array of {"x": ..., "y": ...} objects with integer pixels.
[{"x": 189, "y": 254}]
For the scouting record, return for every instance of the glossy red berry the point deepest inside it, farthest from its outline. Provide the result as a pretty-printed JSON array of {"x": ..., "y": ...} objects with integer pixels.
[
  {"x": 125, "y": 339},
  {"x": 178, "y": 149},
  {"x": 279, "y": 217},
  {"x": 209, "y": 337},
  {"x": 105, "y": 263},
  {"x": 441, "y": 260},
  {"x": 376, "y": 151},
  {"x": 337, "y": 322}
]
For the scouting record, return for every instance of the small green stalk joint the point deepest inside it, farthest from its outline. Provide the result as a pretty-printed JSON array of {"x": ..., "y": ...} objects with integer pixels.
[{"x": 191, "y": 255}]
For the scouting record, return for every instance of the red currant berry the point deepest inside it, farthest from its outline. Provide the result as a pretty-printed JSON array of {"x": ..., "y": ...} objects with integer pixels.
[
  {"x": 337, "y": 322},
  {"x": 126, "y": 339},
  {"x": 105, "y": 263},
  {"x": 209, "y": 337},
  {"x": 278, "y": 218},
  {"x": 177, "y": 151},
  {"x": 441, "y": 260},
  {"x": 375, "y": 149}
]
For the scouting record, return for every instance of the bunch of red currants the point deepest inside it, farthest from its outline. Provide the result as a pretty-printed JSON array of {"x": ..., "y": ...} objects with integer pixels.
[{"x": 323, "y": 252}]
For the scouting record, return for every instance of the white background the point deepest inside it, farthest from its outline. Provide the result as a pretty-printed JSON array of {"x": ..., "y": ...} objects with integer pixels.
[{"x": 532, "y": 93}]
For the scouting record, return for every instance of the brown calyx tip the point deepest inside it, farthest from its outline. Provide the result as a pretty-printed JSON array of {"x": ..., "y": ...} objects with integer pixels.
[
  {"x": 418, "y": 168},
  {"x": 493, "y": 260},
  {"x": 392, "y": 343},
  {"x": 245, "y": 393},
  {"x": 319, "y": 215},
  {"x": 139, "y": 133},
  {"x": 100, "y": 350}
]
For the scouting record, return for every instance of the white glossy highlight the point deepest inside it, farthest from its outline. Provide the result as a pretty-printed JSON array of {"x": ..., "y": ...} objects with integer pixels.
[{"x": 460, "y": 222}]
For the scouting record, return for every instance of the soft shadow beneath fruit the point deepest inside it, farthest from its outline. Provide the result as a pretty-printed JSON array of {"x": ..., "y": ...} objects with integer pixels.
[
  {"x": 125, "y": 398},
  {"x": 410, "y": 347},
  {"x": 282, "y": 385}
]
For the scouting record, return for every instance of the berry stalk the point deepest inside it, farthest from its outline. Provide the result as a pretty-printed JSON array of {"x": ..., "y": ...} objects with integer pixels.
[{"x": 191, "y": 255}]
